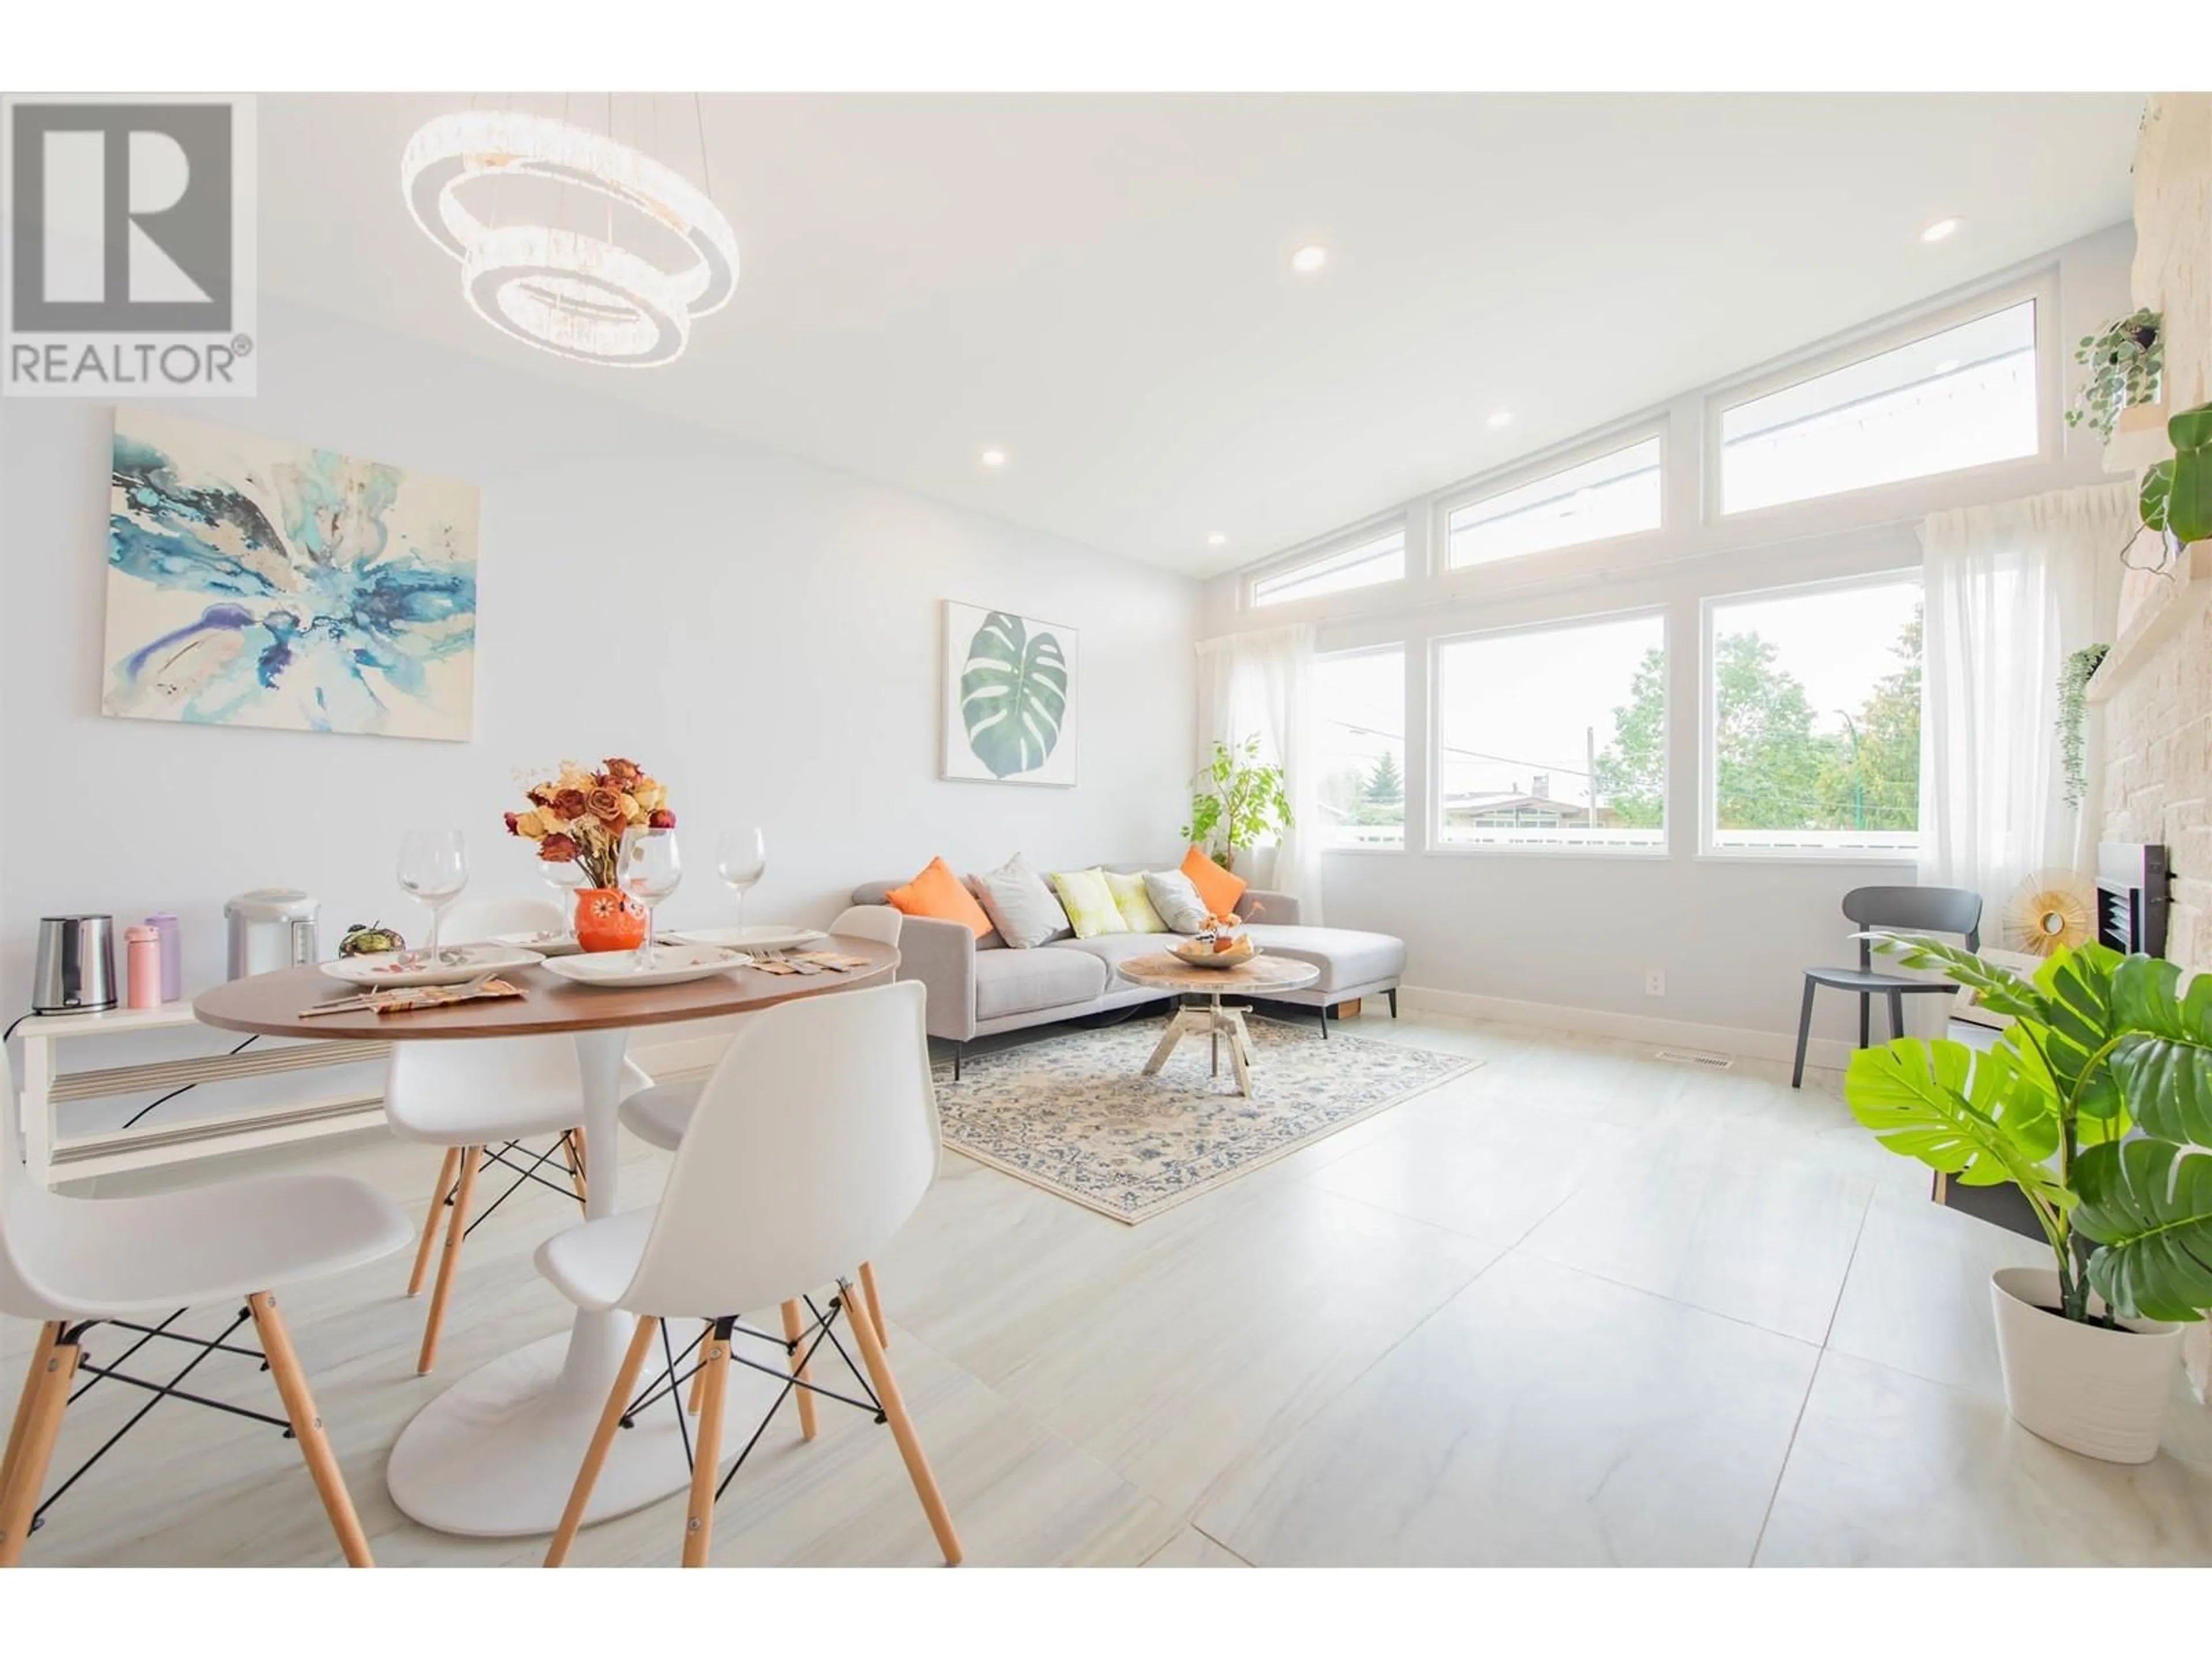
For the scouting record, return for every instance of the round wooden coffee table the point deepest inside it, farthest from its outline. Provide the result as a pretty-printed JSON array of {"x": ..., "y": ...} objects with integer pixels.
[
  {"x": 494, "y": 1454},
  {"x": 1262, "y": 976}
]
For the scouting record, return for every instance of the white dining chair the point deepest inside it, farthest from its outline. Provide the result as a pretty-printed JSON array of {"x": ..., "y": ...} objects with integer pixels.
[
  {"x": 481, "y": 1099},
  {"x": 814, "y": 1141},
  {"x": 659, "y": 1115},
  {"x": 138, "y": 1265}
]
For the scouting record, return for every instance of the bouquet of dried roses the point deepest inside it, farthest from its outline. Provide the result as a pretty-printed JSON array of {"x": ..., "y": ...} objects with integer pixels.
[{"x": 580, "y": 815}]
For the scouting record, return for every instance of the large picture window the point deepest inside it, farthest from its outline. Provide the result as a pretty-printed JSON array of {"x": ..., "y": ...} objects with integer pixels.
[
  {"x": 1554, "y": 737},
  {"x": 1814, "y": 740},
  {"x": 1359, "y": 747},
  {"x": 1615, "y": 494},
  {"x": 1961, "y": 397}
]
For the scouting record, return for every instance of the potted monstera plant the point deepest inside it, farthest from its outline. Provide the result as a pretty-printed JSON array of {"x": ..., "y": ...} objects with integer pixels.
[{"x": 2096, "y": 1104}]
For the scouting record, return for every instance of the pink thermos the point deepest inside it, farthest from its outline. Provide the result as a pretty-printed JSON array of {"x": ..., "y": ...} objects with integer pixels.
[{"x": 142, "y": 967}]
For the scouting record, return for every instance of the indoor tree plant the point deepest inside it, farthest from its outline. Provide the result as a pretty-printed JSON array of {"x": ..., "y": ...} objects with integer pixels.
[
  {"x": 1238, "y": 799},
  {"x": 2096, "y": 1104}
]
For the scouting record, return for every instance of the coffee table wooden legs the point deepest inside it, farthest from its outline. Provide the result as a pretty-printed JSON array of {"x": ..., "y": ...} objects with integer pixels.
[{"x": 1214, "y": 1023}]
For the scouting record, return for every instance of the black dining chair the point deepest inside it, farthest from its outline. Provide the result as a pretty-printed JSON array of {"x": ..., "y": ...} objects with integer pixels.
[{"x": 1903, "y": 909}]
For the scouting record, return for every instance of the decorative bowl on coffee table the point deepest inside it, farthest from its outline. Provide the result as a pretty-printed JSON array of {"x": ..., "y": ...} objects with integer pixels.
[{"x": 1202, "y": 953}]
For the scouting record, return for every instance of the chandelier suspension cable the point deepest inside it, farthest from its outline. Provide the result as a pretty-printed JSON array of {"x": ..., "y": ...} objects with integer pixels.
[{"x": 706, "y": 166}]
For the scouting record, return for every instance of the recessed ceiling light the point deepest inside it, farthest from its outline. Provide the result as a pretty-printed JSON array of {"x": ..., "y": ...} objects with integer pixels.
[
  {"x": 1941, "y": 229},
  {"x": 1501, "y": 417},
  {"x": 1216, "y": 539},
  {"x": 994, "y": 458},
  {"x": 1309, "y": 258}
]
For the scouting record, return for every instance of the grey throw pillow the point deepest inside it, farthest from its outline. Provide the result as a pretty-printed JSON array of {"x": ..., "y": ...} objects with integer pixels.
[
  {"x": 1021, "y": 907},
  {"x": 1176, "y": 900}
]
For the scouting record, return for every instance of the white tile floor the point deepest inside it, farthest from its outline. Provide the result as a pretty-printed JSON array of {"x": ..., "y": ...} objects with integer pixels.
[{"x": 1579, "y": 1306}]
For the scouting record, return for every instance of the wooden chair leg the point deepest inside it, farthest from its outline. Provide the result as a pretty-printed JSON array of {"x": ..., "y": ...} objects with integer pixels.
[
  {"x": 48, "y": 1387},
  {"x": 875, "y": 1303},
  {"x": 457, "y": 1227},
  {"x": 49, "y": 1334},
  {"x": 909, "y": 1444},
  {"x": 699, "y": 1372},
  {"x": 707, "y": 1448},
  {"x": 791, "y": 1329},
  {"x": 595, "y": 1454},
  {"x": 438, "y": 1195},
  {"x": 308, "y": 1429},
  {"x": 574, "y": 1160}
]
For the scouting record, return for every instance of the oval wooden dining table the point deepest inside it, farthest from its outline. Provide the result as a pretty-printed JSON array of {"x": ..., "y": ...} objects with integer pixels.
[{"x": 495, "y": 1456}]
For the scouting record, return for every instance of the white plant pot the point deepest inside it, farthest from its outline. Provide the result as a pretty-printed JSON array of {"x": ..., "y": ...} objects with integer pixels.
[{"x": 2099, "y": 1392}]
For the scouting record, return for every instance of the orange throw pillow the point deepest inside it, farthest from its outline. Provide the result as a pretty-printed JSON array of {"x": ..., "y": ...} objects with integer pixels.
[
  {"x": 1219, "y": 890},
  {"x": 938, "y": 894}
]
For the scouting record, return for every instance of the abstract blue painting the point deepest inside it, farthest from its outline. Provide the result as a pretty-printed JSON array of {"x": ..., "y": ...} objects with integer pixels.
[{"x": 251, "y": 582}]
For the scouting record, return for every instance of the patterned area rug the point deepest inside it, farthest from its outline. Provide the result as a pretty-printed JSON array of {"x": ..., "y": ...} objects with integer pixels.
[{"x": 1075, "y": 1115}]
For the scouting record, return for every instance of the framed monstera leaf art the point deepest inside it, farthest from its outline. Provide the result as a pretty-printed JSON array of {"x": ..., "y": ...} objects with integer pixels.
[{"x": 1009, "y": 697}]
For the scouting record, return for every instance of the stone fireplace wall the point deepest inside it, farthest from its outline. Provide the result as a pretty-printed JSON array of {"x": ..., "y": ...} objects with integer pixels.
[
  {"x": 2157, "y": 725},
  {"x": 2157, "y": 715}
]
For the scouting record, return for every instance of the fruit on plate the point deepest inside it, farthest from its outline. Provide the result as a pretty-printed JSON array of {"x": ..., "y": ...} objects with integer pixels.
[{"x": 371, "y": 941}]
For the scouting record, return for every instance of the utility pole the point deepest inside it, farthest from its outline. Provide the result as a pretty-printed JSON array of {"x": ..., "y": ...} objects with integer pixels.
[
  {"x": 1589, "y": 774},
  {"x": 1858, "y": 782}
]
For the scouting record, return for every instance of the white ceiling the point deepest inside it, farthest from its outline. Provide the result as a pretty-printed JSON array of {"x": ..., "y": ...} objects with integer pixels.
[{"x": 1101, "y": 284}]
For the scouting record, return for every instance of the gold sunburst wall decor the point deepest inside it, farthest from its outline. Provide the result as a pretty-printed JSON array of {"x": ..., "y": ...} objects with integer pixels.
[{"x": 2052, "y": 910}]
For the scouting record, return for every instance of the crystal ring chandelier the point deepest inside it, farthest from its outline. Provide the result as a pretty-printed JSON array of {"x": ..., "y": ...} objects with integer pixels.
[{"x": 564, "y": 291}]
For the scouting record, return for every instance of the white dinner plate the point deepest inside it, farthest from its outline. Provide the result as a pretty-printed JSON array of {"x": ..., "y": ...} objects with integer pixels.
[
  {"x": 561, "y": 943},
  {"x": 673, "y": 964},
  {"x": 761, "y": 936},
  {"x": 457, "y": 965}
]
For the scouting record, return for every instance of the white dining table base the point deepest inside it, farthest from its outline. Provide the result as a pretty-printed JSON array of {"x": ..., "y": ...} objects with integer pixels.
[{"x": 496, "y": 1453}]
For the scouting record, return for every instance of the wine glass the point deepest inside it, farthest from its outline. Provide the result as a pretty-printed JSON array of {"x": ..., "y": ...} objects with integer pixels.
[
  {"x": 650, "y": 870},
  {"x": 564, "y": 876},
  {"x": 743, "y": 861},
  {"x": 433, "y": 867}
]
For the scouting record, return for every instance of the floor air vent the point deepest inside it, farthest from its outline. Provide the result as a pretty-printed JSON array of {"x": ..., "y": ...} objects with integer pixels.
[{"x": 1697, "y": 1057}]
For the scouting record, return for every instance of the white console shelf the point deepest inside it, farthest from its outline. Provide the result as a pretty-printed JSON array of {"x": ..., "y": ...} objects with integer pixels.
[{"x": 53, "y": 1157}]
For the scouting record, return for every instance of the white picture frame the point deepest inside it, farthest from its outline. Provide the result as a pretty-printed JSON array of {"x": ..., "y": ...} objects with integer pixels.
[{"x": 1011, "y": 694}]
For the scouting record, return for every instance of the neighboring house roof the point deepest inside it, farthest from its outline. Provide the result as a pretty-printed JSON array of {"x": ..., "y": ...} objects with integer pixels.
[{"x": 1507, "y": 801}]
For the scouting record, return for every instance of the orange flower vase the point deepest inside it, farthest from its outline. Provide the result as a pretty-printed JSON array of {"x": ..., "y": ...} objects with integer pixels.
[{"x": 608, "y": 920}]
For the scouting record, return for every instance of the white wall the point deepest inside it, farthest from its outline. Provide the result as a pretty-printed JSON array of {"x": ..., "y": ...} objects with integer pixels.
[
  {"x": 762, "y": 632},
  {"x": 1575, "y": 930}
]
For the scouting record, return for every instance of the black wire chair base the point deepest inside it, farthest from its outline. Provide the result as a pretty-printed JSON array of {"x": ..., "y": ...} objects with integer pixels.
[
  {"x": 506, "y": 1157},
  {"x": 73, "y": 1337},
  {"x": 679, "y": 1368}
]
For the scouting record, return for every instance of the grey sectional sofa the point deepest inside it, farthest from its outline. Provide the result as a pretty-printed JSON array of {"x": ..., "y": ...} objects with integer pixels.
[{"x": 978, "y": 987}]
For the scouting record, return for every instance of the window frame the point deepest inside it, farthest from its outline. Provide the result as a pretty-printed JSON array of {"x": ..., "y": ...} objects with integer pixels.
[
  {"x": 1644, "y": 429},
  {"x": 2041, "y": 286},
  {"x": 1404, "y": 648},
  {"x": 1378, "y": 528},
  {"x": 1433, "y": 789},
  {"x": 1708, "y": 784}
]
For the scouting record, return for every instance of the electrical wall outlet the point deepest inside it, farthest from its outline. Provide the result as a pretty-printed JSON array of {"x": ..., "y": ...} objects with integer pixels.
[{"x": 1654, "y": 981}]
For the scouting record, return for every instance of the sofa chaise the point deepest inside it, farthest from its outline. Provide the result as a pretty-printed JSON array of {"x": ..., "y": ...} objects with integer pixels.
[{"x": 981, "y": 986}]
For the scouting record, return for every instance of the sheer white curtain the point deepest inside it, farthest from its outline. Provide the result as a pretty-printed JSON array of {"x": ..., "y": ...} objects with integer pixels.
[
  {"x": 2011, "y": 592},
  {"x": 1261, "y": 686}
]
